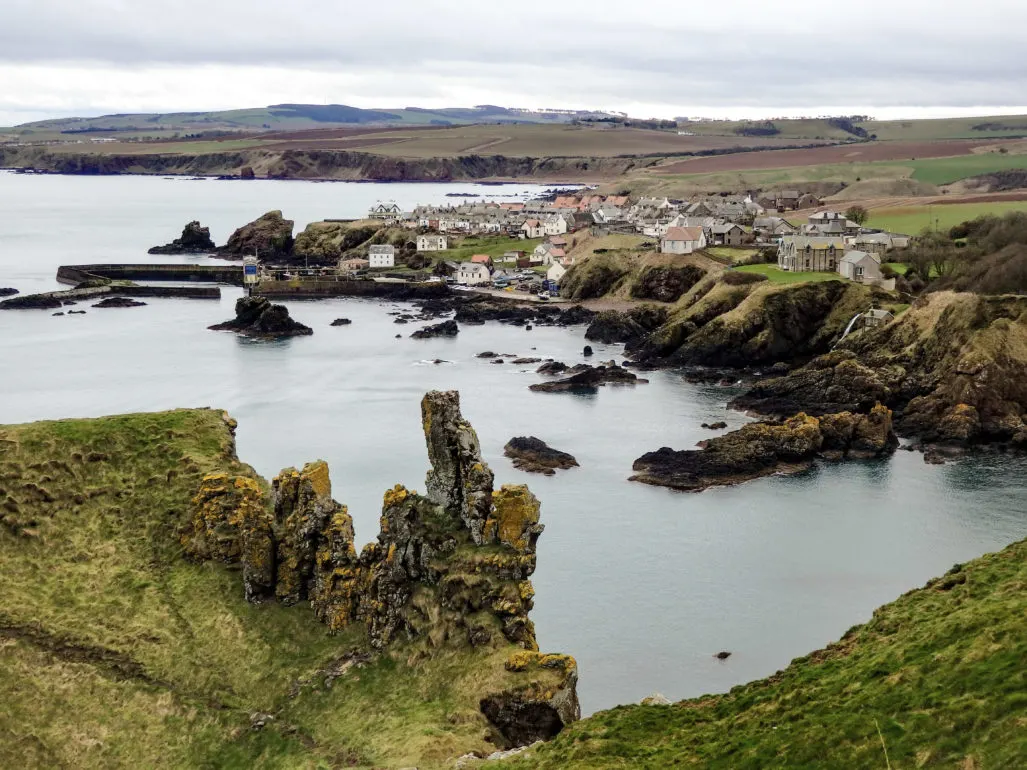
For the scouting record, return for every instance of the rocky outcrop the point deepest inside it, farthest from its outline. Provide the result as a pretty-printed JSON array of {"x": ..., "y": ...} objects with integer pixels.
[
  {"x": 763, "y": 448},
  {"x": 535, "y": 456},
  {"x": 119, "y": 302},
  {"x": 727, "y": 323},
  {"x": 665, "y": 283},
  {"x": 257, "y": 317},
  {"x": 269, "y": 238},
  {"x": 195, "y": 239},
  {"x": 613, "y": 326},
  {"x": 449, "y": 570},
  {"x": 324, "y": 243},
  {"x": 953, "y": 367},
  {"x": 444, "y": 329},
  {"x": 588, "y": 379},
  {"x": 32, "y": 302},
  {"x": 479, "y": 309}
]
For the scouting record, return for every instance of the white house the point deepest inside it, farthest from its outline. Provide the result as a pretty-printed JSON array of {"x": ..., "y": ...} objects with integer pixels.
[
  {"x": 532, "y": 228},
  {"x": 556, "y": 225},
  {"x": 861, "y": 267},
  {"x": 382, "y": 256},
  {"x": 555, "y": 272},
  {"x": 384, "y": 211},
  {"x": 683, "y": 240},
  {"x": 432, "y": 243},
  {"x": 473, "y": 274},
  {"x": 607, "y": 214}
]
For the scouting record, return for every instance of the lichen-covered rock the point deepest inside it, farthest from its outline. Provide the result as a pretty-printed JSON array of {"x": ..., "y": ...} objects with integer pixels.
[
  {"x": 762, "y": 448},
  {"x": 257, "y": 317},
  {"x": 459, "y": 480},
  {"x": 268, "y": 237},
  {"x": 538, "y": 710},
  {"x": 195, "y": 239}
]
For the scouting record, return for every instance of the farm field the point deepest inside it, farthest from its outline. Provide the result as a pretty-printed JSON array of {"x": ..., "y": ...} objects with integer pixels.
[
  {"x": 948, "y": 170},
  {"x": 913, "y": 219}
]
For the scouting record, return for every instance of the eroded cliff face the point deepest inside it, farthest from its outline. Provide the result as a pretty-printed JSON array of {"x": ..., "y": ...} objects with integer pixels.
[
  {"x": 449, "y": 570},
  {"x": 954, "y": 367}
]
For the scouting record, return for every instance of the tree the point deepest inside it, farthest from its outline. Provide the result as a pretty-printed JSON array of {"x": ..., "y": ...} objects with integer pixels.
[{"x": 857, "y": 214}]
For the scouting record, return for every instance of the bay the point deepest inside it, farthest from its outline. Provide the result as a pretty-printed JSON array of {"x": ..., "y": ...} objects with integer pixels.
[{"x": 642, "y": 585}]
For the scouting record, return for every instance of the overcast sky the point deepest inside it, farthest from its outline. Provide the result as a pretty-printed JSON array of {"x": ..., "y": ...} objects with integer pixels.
[{"x": 659, "y": 58}]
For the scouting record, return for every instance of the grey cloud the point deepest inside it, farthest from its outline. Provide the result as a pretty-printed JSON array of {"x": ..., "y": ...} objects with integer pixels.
[{"x": 661, "y": 52}]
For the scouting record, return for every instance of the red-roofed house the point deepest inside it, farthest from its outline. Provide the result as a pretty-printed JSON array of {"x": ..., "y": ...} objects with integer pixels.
[
  {"x": 482, "y": 259},
  {"x": 683, "y": 240},
  {"x": 559, "y": 241}
]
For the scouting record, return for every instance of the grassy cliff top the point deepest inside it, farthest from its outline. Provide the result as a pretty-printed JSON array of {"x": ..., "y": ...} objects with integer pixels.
[
  {"x": 117, "y": 652},
  {"x": 939, "y": 671}
]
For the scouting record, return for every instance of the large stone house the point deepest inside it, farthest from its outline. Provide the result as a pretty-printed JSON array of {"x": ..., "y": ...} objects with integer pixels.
[
  {"x": 532, "y": 228},
  {"x": 432, "y": 243},
  {"x": 683, "y": 240},
  {"x": 557, "y": 225},
  {"x": 727, "y": 235},
  {"x": 473, "y": 274},
  {"x": 385, "y": 211},
  {"x": 801, "y": 253},
  {"x": 770, "y": 227}
]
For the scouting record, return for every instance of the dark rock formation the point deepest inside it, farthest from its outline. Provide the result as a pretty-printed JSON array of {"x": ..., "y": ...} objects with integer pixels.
[
  {"x": 32, "y": 302},
  {"x": 195, "y": 240},
  {"x": 246, "y": 172},
  {"x": 444, "y": 329},
  {"x": 257, "y": 317},
  {"x": 486, "y": 354},
  {"x": 587, "y": 351},
  {"x": 341, "y": 322},
  {"x": 119, "y": 302},
  {"x": 612, "y": 326},
  {"x": 269, "y": 238},
  {"x": 714, "y": 425},
  {"x": 588, "y": 379},
  {"x": 666, "y": 284},
  {"x": 535, "y": 456},
  {"x": 478, "y": 309},
  {"x": 7, "y": 292},
  {"x": 552, "y": 367},
  {"x": 449, "y": 570},
  {"x": 525, "y": 361},
  {"x": 763, "y": 448}
]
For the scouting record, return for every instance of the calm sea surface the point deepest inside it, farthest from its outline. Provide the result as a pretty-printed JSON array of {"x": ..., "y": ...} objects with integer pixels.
[{"x": 641, "y": 584}]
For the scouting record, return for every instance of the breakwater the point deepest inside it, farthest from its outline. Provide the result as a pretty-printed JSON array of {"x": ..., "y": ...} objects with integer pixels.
[
  {"x": 76, "y": 274},
  {"x": 320, "y": 289}
]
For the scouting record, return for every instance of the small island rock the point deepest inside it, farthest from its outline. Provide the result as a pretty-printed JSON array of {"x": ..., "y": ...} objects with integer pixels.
[
  {"x": 341, "y": 322},
  {"x": 587, "y": 379},
  {"x": 119, "y": 302},
  {"x": 257, "y": 317},
  {"x": 535, "y": 456},
  {"x": 195, "y": 240},
  {"x": 444, "y": 329},
  {"x": 7, "y": 292}
]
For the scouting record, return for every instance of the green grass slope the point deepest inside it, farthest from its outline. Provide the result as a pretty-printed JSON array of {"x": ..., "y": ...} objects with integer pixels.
[
  {"x": 940, "y": 673},
  {"x": 117, "y": 652}
]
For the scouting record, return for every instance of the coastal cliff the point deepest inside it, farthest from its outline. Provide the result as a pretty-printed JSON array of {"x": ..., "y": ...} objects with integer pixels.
[
  {"x": 219, "y": 619},
  {"x": 322, "y": 164}
]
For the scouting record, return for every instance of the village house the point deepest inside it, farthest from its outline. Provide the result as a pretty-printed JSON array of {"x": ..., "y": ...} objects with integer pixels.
[
  {"x": 607, "y": 214},
  {"x": 473, "y": 274},
  {"x": 483, "y": 259},
  {"x": 878, "y": 243},
  {"x": 727, "y": 235},
  {"x": 801, "y": 253},
  {"x": 556, "y": 272},
  {"x": 384, "y": 211},
  {"x": 861, "y": 267},
  {"x": 532, "y": 228},
  {"x": 556, "y": 225},
  {"x": 382, "y": 255},
  {"x": 353, "y": 264},
  {"x": 432, "y": 243},
  {"x": 770, "y": 227},
  {"x": 683, "y": 240}
]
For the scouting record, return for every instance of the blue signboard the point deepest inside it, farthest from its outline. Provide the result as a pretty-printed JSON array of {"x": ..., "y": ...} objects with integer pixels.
[{"x": 249, "y": 269}]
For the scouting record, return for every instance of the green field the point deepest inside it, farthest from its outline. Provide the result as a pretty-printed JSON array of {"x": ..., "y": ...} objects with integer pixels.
[
  {"x": 912, "y": 220},
  {"x": 782, "y": 276},
  {"x": 936, "y": 679},
  {"x": 494, "y": 247},
  {"x": 947, "y": 170}
]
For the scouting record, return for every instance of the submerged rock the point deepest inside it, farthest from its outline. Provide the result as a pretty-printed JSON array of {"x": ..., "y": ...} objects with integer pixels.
[
  {"x": 444, "y": 329},
  {"x": 7, "y": 291},
  {"x": 195, "y": 239},
  {"x": 257, "y": 317},
  {"x": 119, "y": 302},
  {"x": 31, "y": 302},
  {"x": 763, "y": 448},
  {"x": 535, "y": 456},
  {"x": 715, "y": 425},
  {"x": 588, "y": 379},
  {"x": 341, "y": 322},
  {"x": 552, "y": 367}
]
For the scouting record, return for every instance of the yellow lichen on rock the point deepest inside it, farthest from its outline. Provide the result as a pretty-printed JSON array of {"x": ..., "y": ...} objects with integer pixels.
[
  {"x": 395, "y": 496},
  {"x": 515, "y": 518}
]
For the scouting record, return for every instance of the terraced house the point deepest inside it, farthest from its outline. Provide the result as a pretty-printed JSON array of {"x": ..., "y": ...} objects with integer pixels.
[{"x": 802, "y": 253}]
